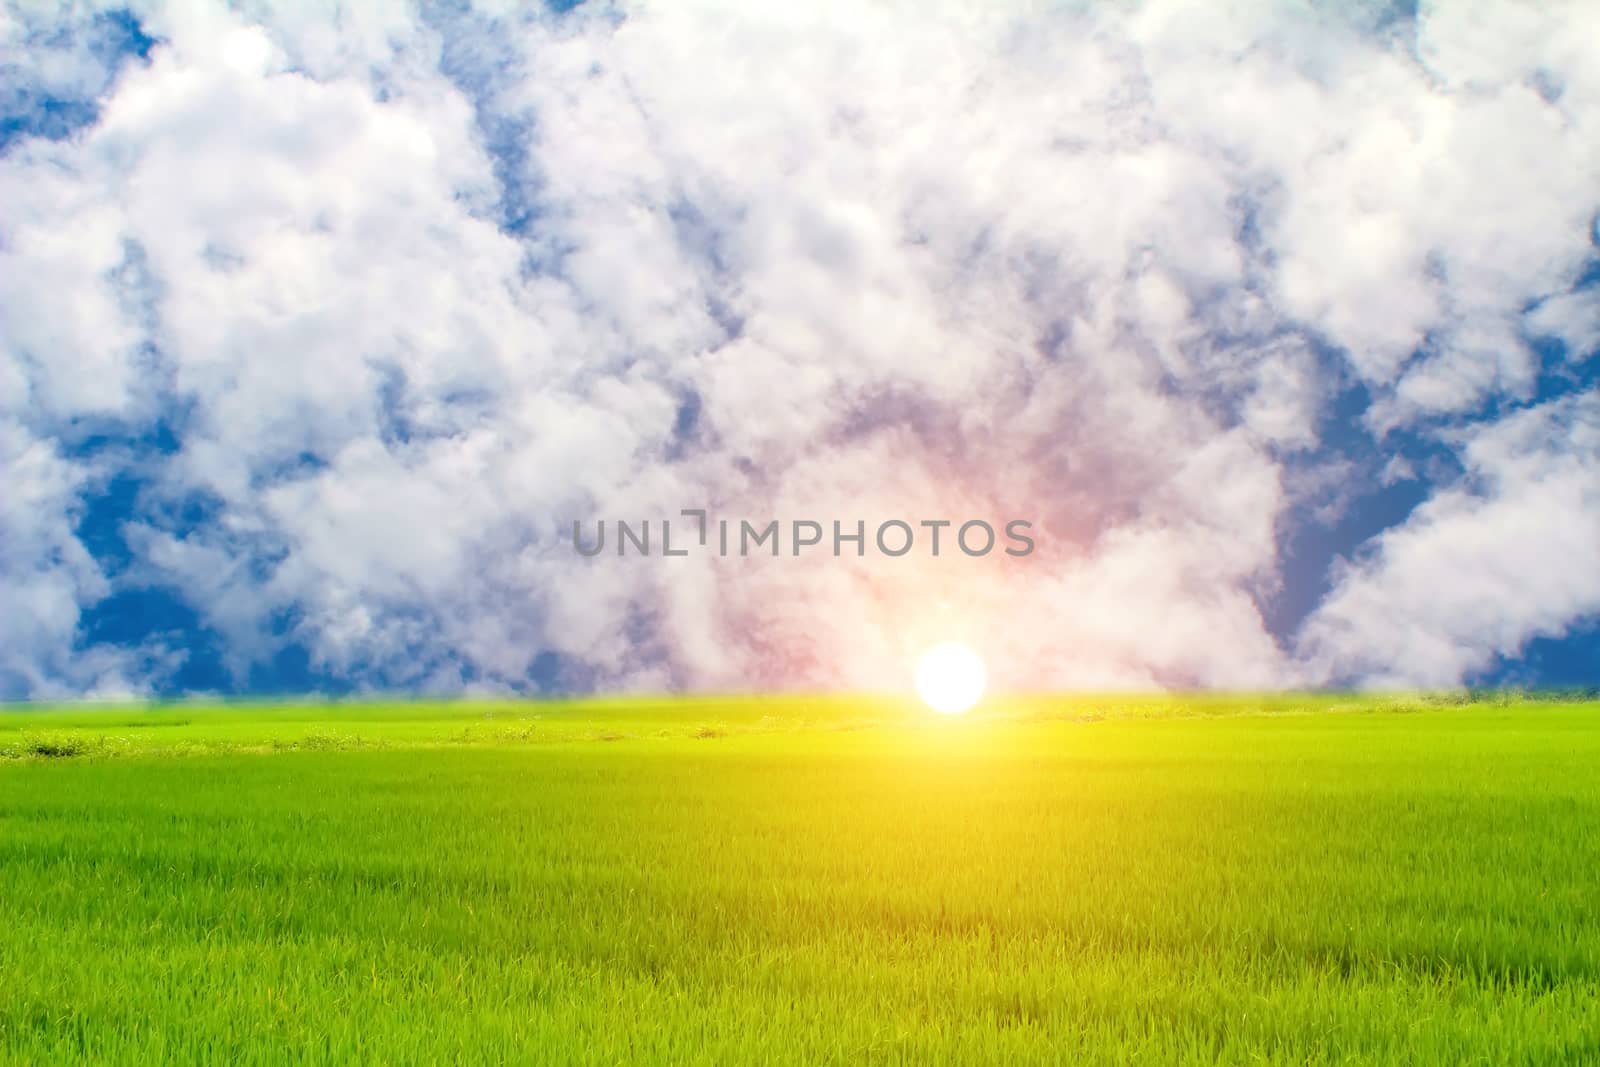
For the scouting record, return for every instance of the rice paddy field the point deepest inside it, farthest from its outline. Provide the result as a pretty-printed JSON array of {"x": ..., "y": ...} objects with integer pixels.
[{"x": 1086, "y": 880}]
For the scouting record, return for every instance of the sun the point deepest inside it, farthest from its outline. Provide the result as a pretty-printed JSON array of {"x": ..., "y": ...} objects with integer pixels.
[{"x": 950, "y": 678}]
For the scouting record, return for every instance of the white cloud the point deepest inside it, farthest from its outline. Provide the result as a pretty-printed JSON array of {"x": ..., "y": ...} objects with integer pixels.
[
  {"x": 1102, "y": 268},
  {"x": 1479, "y": 569},
  {"x": 47, "y": 574},
  {"x": 1574, "y": 319}
]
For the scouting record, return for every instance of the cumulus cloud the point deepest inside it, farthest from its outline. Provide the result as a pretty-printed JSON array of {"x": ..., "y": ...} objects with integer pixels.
[
  {"x": 1482, "y": 566},
  {"x": 375, "y": 305}
]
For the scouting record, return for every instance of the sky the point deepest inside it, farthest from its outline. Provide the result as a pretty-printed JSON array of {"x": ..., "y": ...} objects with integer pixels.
[{"x": 321, "y": 325}]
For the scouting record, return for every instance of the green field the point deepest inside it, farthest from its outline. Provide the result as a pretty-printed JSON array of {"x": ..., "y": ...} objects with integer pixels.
[{"x": 1055, "y": 880}]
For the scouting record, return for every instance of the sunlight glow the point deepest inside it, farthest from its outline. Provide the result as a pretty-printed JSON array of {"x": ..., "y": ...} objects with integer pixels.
[{"x": 950, "y": 678}]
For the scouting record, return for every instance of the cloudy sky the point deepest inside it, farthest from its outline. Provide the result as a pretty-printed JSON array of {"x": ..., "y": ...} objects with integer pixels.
[{"x": 1280, "y": 321}]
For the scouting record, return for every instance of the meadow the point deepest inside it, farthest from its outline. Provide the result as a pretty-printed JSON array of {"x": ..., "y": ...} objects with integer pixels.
[{"x": 1088, "y": 880}]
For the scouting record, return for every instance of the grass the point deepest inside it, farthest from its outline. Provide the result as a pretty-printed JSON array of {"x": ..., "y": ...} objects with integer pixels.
[{"x": 1229, "y": 879}]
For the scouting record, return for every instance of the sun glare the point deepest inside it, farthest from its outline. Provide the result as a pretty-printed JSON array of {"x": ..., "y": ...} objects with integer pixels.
[{"x": 950, "y": 678}]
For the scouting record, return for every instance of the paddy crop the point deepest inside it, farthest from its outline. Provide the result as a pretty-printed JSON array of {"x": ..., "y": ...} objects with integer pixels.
[{"x": 1055, "y": 880}]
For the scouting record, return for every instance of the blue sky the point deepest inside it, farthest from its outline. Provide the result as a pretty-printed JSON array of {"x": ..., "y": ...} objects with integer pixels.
[{"x": 318, "y": 333}]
